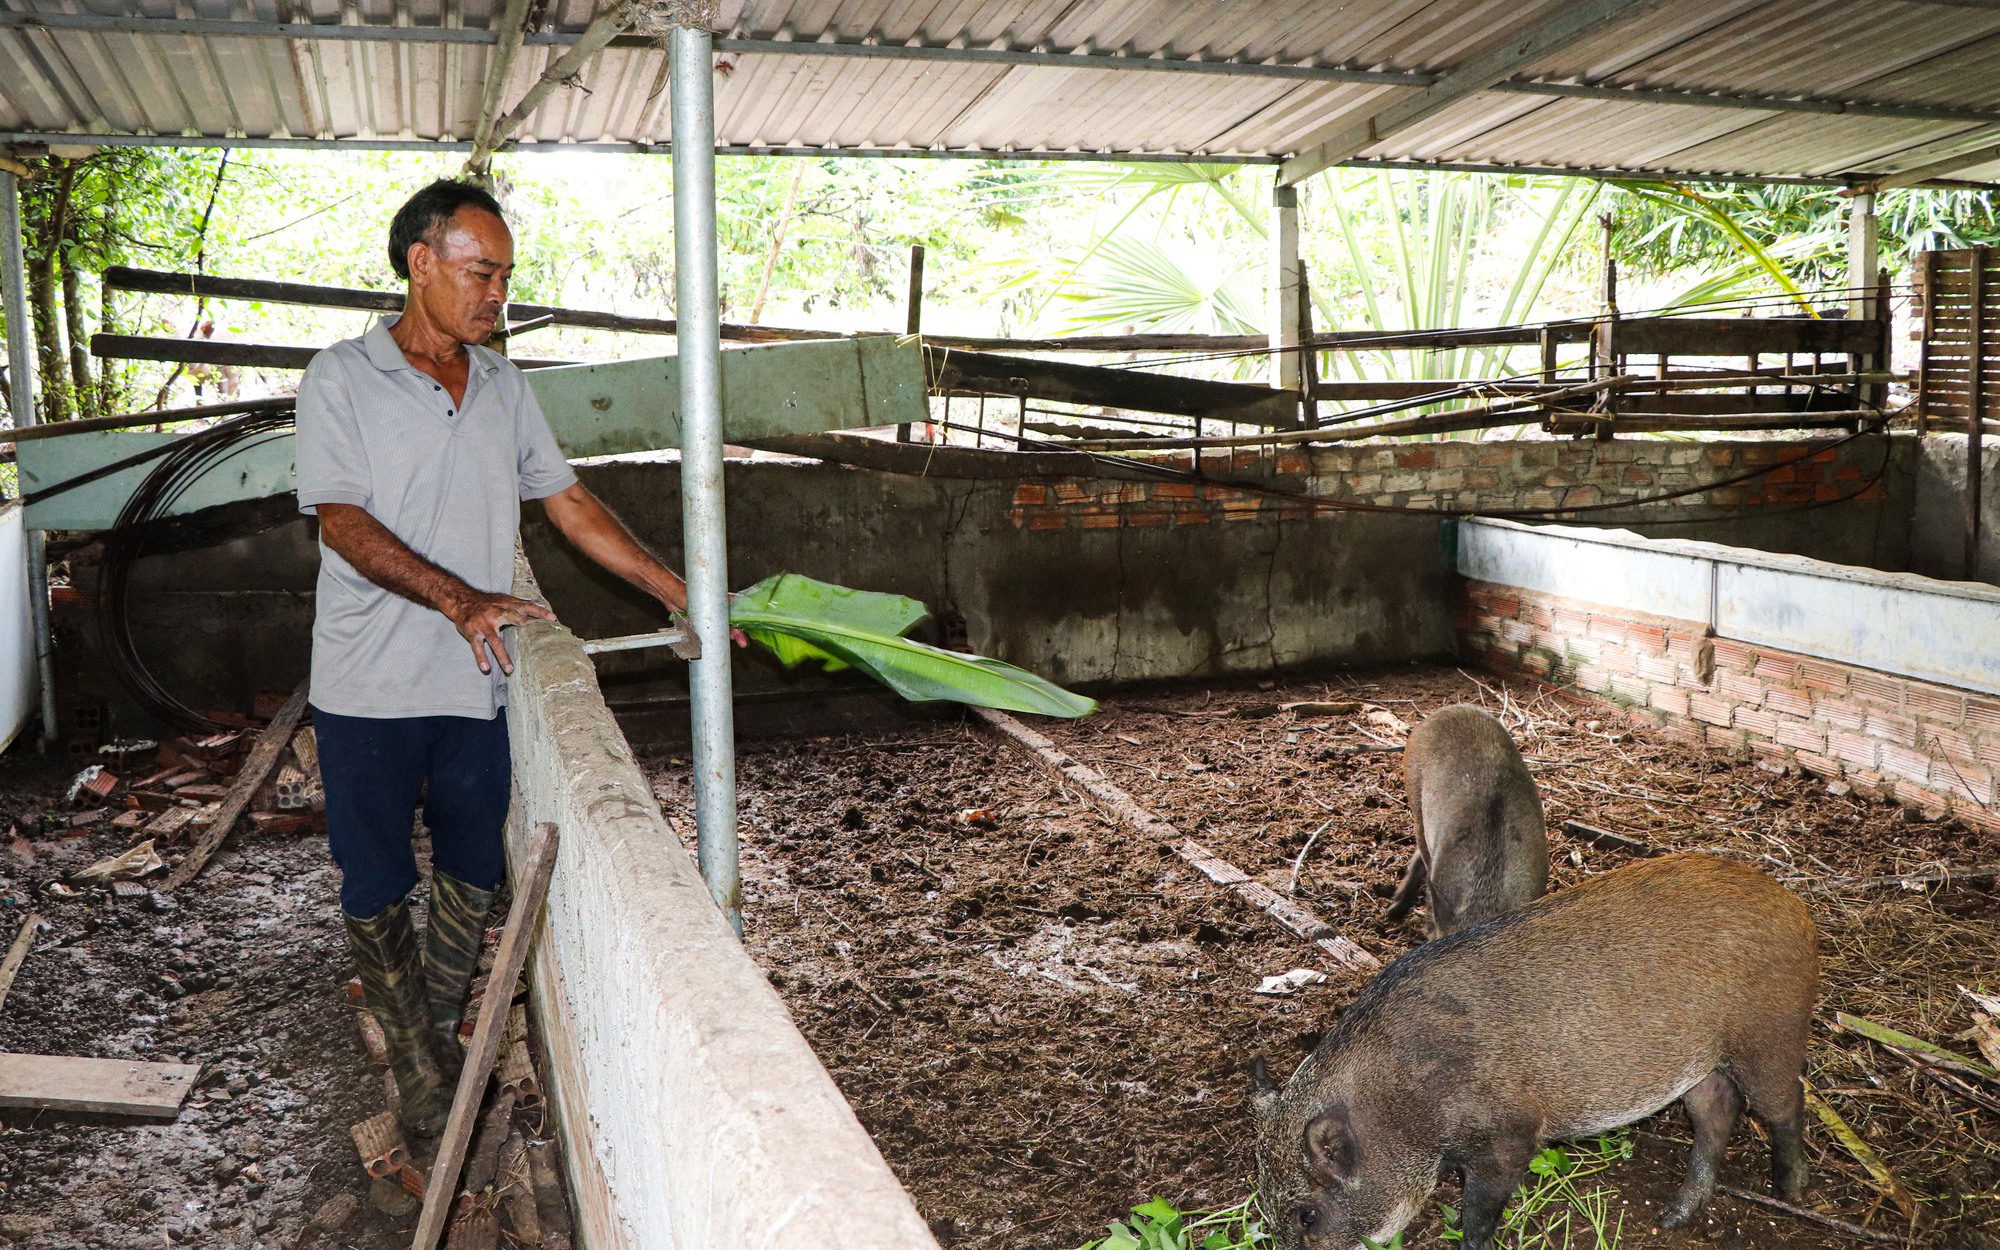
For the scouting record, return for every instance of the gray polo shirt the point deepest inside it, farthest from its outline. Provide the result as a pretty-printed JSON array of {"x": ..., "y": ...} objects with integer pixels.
[{"x": 445, "y": 478}]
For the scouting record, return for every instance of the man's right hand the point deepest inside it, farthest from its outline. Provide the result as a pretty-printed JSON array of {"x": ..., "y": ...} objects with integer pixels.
[{"x": 480, "y": 618}]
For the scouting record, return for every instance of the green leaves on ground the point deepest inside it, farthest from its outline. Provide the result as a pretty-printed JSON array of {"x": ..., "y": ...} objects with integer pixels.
[
  {"x": 1551, "y": 1210},
  {"x": 1159, "y": 1225},
  {"x": 800, "y": 619}
]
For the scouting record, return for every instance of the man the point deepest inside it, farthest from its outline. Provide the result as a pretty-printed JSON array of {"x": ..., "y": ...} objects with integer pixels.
[{"x": 415, "y": 448}]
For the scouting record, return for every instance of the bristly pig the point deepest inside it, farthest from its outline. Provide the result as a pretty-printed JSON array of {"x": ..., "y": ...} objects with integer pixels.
[
  {"x": 1687, "y": 977},
  {"x": 1481, "y": 843}
]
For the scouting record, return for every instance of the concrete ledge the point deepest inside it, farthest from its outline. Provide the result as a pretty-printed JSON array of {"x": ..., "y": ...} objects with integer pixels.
[
  {"x": 1898, "y": 623},
  {"x": 693, "y": 1113}
]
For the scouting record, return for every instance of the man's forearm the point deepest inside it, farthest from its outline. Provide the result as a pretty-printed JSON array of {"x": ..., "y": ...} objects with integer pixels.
[
  {"x": 599, "y": 534},
  {"x": 381, "y": 557}
]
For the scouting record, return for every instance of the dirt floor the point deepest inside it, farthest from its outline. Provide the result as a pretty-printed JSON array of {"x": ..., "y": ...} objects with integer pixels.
[
  {"x": 1044, "y": 1019},
  {"x": 242, "y": 971}
]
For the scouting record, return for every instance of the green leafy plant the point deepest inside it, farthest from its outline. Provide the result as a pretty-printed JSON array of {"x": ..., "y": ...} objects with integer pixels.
[
  {"x": 1159, "y": 1225},
  {"x": 1552, "y": 1210},
  {"x": 800, "y": 619}
]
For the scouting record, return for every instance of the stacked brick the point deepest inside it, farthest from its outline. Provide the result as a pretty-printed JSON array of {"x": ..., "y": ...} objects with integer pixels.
[
  {"x": 1463, "y": 476},
  {"x": 1924, "y": 745}
]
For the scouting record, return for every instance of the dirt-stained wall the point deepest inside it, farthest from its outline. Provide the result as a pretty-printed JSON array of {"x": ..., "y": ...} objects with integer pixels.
[{"x": 1088, "y": 580}]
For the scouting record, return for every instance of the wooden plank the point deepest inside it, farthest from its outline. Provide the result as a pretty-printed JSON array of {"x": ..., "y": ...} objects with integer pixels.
[
  {"x": 263, "y": 756},
  {"x": 1127, "y": 811},
  {"x": 111, "y": 1086},
  {"x": 984, "y": 373},
  {"x": 1975, "y": 408},
  {"x": 24, "y": 941},
  {"x": 507, "y": 965},
  {"x": 247, "y": 355},
  {"x": 1741, "y": 336},
  {"x": 121, "y": 278}
]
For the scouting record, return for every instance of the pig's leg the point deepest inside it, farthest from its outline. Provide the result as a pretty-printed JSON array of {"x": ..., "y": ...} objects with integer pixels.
[
  {"x": 1492, "y": 1173},
  {"x": 1713, "y": 1106},
  {"x": 1778, "y": 1100},
  {"x": 1413, "y": 884}
]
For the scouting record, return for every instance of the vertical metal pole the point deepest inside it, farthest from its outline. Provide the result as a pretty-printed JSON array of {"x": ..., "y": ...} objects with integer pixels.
[
  {"x": 913, "y": 321},
  {"x": 1285, "y": 293},
  {"x": 703, "y": 525},
  {"x": 21, "y": 377}
]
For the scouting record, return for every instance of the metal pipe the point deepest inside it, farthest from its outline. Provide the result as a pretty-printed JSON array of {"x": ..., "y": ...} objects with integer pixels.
[
  {"x": 703, "y": 525},
  {"x": 21, "y": 377}
]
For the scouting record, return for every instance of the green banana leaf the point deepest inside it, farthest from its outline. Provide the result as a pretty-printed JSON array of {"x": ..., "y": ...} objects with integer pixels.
[{"x": 801, "y": 619}]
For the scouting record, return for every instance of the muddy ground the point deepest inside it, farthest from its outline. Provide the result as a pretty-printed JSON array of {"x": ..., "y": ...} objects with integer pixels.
[
  {"x": 1044, "y": 1019},
  {"x": 242, "y": 971}
]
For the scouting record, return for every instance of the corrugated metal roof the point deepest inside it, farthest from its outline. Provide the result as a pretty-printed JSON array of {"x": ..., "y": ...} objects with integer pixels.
[{"x": 413, "y": 71}]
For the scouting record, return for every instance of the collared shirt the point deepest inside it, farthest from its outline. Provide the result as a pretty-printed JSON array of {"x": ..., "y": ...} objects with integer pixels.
[{"x": 447, "y": 478}]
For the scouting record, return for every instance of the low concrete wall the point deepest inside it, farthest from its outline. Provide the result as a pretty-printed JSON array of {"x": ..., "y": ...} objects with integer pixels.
[
  {"x": 1820, "y": 684},
  {"x": 1937, "y": 521},
  {"x": 693, "y": 1112},
  {"x": 1088, "y": 580}
]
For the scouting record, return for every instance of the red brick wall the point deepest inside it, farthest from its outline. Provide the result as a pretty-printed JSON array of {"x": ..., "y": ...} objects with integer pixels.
[
  {"x": 1461, "y": 476},
  {"x": 1924, "y": 745}
]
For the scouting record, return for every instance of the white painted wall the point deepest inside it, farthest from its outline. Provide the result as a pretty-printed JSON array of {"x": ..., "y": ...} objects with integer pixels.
[
  {"x": 19, "y": 689},
  {"x": 694, "y": 1115},
  {"x": 1903, "y": 623}
]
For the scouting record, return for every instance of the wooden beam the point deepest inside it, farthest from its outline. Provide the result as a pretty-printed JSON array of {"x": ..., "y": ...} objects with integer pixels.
[
  {"x": 985, "y": 373},
  {"x": 1348, "y": 139},
  {"x": 1975, "y": 414},
  {"x": 1743, "y": 336},
  {"x": 24, "y": 941},
  {"x": 974, "y": 463},
  {"x": 243, "y": 355},
  {"x": 360, "y": 299},
  {"x": 568, "y": 68},
  {"x": 108, "y": 1086},
  {"x": 499, "y": 66},
  {"x": 263, "y": 756},
  {"x": 441, "y": 1186}
]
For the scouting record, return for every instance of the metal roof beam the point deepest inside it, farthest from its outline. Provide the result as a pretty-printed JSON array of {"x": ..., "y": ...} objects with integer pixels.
[
  {"x": 1939, "y": 169},
  {"x": 1349, "y": 139},
  {"x": 1046, "y": 59}
]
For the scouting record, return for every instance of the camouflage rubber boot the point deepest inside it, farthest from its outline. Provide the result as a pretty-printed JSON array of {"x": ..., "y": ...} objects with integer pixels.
[
  {"x": 385, "y": 953},
  {"x": 451, "y": 956}
]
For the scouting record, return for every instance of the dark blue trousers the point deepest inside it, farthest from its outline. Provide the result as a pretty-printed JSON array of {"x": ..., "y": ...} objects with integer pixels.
[{"x": 374, "y": 769}]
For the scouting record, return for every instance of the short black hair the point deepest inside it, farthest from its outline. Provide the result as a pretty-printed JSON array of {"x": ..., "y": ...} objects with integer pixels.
[{"x": 428, "y": 212}]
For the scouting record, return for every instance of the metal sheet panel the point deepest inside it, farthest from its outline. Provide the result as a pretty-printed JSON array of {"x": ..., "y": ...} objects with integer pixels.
[
  {"x": 215, "y": 86},
  {"x": 594, "y": 410}
]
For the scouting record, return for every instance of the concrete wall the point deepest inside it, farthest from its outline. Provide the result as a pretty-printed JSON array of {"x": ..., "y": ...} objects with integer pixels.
[
  {"x": 1087, "y": 580},
  {"x": 693, "y": 1113},
  {"x": 1852, "y": 718},
  {"x": 1937, "y": 523}
]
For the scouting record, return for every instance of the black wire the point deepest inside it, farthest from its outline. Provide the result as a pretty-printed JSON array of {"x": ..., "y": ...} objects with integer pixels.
[{"x": 182, "y": 464}]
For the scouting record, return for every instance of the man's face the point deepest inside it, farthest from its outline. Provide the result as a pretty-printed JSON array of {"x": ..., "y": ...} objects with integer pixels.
[{"x": 461, "y": 281}]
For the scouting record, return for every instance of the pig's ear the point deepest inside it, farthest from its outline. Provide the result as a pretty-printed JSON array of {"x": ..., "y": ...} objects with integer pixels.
[
  {"x": 1329, "y": 1146},
  {"x": 1263, "y": 1091}
]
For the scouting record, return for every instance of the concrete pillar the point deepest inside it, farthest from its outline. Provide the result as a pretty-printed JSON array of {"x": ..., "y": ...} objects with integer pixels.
[
  {"x": 1284, "y": 238},
  {"x": 21, "y": 378},
  {"x": 1862, "y": 258}
]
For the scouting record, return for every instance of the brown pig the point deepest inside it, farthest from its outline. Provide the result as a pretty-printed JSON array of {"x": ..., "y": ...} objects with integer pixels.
[
  {"x": 1687, "y": 977},
  {"x": 1480, "y": 839}
]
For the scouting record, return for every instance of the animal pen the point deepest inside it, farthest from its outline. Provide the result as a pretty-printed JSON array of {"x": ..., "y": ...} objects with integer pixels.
[{"x": 997, "y": 982}]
